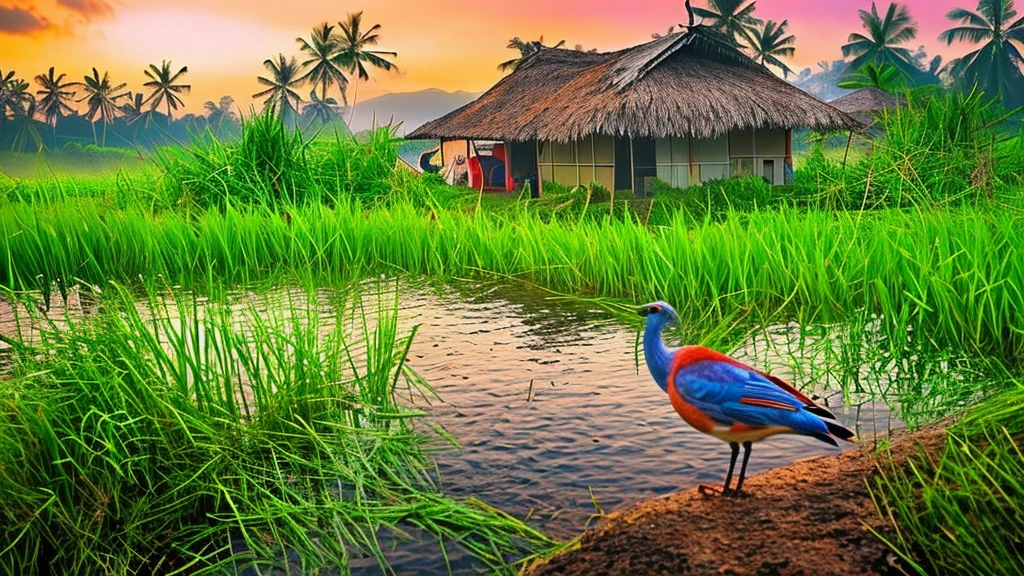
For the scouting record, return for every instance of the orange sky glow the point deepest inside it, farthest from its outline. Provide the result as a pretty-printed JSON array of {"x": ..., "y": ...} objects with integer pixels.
[{"x": 439, "y": 46}]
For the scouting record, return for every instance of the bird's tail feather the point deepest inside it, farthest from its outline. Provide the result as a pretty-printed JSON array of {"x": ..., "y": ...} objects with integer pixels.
[
  {"x": 838, "y": 430},
  {"x": 820, "y": 412},
  {"x": 825, "y": 438}
]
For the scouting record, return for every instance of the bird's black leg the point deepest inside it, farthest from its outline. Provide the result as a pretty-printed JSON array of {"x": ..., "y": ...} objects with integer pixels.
[
  {"x": 743, "y": 469},
  {"x": 732, "y": 465},
  {"x": 710, "y": 491}
]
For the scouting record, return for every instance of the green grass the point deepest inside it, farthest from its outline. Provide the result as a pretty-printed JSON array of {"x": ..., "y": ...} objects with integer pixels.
[
  {"x": 960, "y": 511},
  {"x": 189, "y": 437},
  {"x": 954, "y": 276},
  {"x": 71, "y": 160}
]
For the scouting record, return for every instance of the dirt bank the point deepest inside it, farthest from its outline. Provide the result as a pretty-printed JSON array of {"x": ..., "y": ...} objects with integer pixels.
[{"x": 809, "y": 518}]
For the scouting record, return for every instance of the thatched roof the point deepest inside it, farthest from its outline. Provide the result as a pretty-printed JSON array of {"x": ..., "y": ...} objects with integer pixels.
[
  {"x": 864, "y": 101},
  {"x": 685, "y": 84}
]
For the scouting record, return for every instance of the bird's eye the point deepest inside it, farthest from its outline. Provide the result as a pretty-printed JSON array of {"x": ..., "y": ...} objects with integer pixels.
[{"x": 655, "y": 309}]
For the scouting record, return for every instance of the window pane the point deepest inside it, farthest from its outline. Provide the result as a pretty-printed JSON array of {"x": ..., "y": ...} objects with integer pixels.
[
  {"x": 545, "y": 152},
  {"x": 562, "y": 153},
  {"x": 716, "y": 150},
  {"x": 771, "y": 143},
  {"x": 713, "y": 172},
  {"x": 665, "y": 173},
  {"x": 663, "y": 152},
  {"x": 585, "y": 150},
  {"x": 566, "y": 175},
  {"x": 680, "y": 176},
  {"x": 546, "y": 173},
  {"x": 606, "y": 176},
  {"x": 586, "y": 175},
  {"x": 604, "y": 150},
  {"x": 741, "y": 143},
  {"x": 680, "y": 150},
  {"x": 741, "y": 167}
]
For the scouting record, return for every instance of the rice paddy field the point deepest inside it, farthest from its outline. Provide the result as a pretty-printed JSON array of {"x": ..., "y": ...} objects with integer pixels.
[{"x": 283, "y": 356}]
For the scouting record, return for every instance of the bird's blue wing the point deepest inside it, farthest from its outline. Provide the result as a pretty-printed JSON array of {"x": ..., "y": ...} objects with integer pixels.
[{"x": 730, "y": 394}]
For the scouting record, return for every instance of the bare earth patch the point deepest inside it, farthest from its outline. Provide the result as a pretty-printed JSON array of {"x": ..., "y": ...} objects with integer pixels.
[{"x": 808, "y": 518}]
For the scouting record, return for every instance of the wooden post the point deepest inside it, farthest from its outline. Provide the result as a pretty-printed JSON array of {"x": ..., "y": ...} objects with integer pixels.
[
  {"x": 788, "y": 162},
  {"x": 632, "y": 168},
  {"x": 847, "y": 153},
  {"x": 540, "y": 175},
  {"x": 689, "y": 149}
]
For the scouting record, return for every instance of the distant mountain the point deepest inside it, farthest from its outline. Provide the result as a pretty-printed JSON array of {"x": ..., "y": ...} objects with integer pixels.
[
  {"x": 412, "y": 109},
  {"x": 822, "y": 84}
]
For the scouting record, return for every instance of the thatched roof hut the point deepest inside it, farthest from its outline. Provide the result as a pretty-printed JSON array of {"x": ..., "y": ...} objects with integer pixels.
[
  {"x": 686, "y": 108},
  {"x": 686, "y": 84},
  {"x": 865, "y": 101}
]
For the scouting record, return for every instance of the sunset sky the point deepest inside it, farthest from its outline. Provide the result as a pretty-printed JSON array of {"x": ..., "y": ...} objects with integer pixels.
[{"x": 224, "y": 43}]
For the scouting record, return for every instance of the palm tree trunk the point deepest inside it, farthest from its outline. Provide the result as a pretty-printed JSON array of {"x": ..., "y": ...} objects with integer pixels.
[{"x": 355, "y": 96}]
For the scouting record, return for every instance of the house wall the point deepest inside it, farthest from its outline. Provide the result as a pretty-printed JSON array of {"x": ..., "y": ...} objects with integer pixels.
[
  {"x": 578, "y": 163},
  {"x": 451, "y": 148},
  {"x": 684, "y": 162},
  {"x": 680, "y": 161}
]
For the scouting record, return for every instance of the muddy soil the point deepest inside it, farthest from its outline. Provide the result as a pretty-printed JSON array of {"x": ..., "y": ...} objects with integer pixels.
[{"x": 811, "y": 518}]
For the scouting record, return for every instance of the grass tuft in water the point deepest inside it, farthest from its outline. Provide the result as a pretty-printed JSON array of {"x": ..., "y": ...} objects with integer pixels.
[{"x": 185, "y": 436}]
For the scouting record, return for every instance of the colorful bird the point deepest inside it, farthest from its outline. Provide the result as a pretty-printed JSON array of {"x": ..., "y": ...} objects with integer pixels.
[{"x": 729, "y": 400}]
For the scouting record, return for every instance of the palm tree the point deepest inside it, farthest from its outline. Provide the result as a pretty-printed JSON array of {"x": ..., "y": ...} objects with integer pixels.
[
  {"x": 280, "y": 92},
  {"x": 319, "y": 110},
  {"x": 17, "y": 108},
  {"x": 134, "y": 109},
  {"x": 102, "y": 100},
  {"x": 883, "y": 39},
  {"x": 53, "y": 97},
  {"x": 526, "y": 49},
  {"x": 217, "y": 113},
  {"x": 324, "y": 61},
  {"x": 771, "y": 43},
  {"x": 995, "y": 67},
  {"x": 354, "y": 56},
  {"x": 734, "y": 18},
  {"x": 15, "y": 98},
  {"x": 885, "y": 77},
  {"x": 25, "y": 128},
  {"x": 162, "y": 82}
]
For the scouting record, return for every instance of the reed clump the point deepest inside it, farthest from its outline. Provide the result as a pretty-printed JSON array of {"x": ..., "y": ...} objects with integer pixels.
[
  {"x": 960, "y": 510},
  {"x": 174, "y": 436},
  {"x": 274, "y": 166},
  {"x": 936, "y": 148}
]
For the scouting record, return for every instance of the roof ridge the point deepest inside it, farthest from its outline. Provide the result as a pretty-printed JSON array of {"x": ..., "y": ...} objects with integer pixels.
[{"x": 715, "y": 42}]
